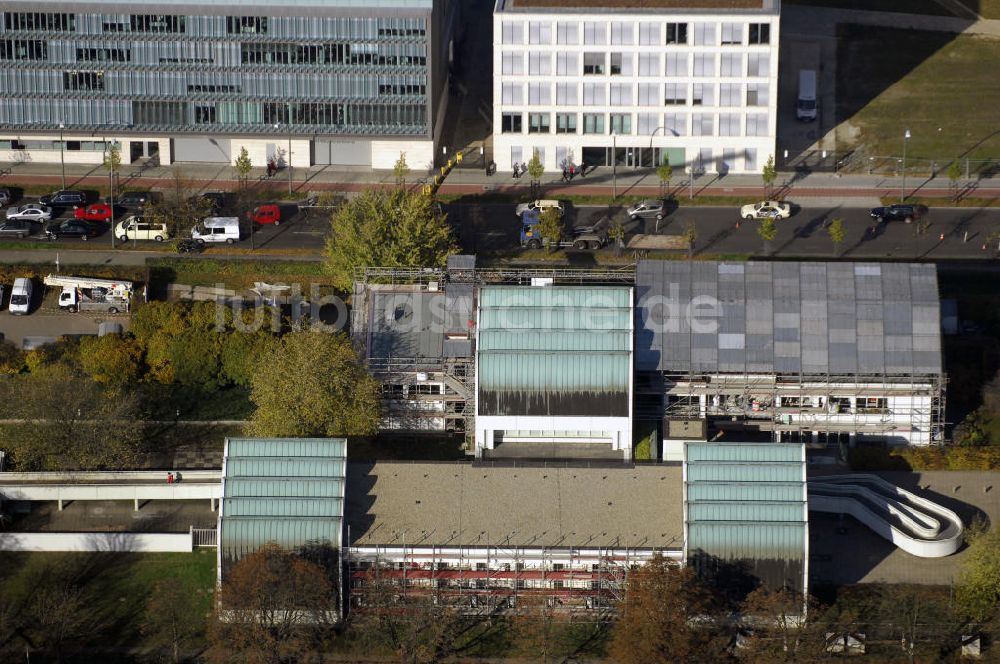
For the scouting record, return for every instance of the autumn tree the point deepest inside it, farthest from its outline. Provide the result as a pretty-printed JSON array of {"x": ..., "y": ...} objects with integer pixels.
[
  {"x": 181, "y": 207},
  {"x": 767, "y": 230},
  {"x": 836, "y": 232},
  {"x": 242, "y": 166},
  {"x": 60, "y": 618},
  {"x": 535, "y": 630},
  {"x": 768, "y": 175},
  {"x": 170, "y": 622},
  {"x": 550, "y": 225},
  {"x": 977, "y": 592},
  {"x": 664, "y": 172},
  {"x": 396, "y": 228},
  {"x": 401, "y": 169},
  {"x": 111, "y": 359},
  {"x": 313, "y": 384},
  {"x": 690, "y": 236},
  {"x": 536, "y": 169},
  {"x": 780, "y": 626},
  {"x": 659, "y": 616},
  {"x": 275, "y": 607}
]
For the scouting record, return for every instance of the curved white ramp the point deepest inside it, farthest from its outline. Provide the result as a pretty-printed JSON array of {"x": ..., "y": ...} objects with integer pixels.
[{"x": 914, "y": 524}]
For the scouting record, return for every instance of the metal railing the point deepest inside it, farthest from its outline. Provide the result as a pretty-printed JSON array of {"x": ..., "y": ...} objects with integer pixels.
[{"x": 204, "y": 537}]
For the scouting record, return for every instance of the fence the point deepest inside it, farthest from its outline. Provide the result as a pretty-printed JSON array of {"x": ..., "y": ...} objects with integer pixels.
[
  {"x": 204, "y": 537},
  {"x": 861, "y": 163}
]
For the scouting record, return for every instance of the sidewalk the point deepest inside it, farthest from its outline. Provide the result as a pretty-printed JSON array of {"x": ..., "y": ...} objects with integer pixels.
[{"x": 600, "y": 181}]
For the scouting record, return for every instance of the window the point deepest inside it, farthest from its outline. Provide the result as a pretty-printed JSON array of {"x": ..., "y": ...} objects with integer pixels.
[
  {"x": 702, "y": 124},
  {"x": 616, "y": 64},
  {"x": 513, "y": 32},
  {"x": 539, "y": 94},
  {"x": 540, "y": 64},
  {"x": 758, "y": 64},
  {"x": 732, "y": 33},
  {"x": 732, "y": 64},
  {"x": 704, "y": 64},
  {"x": 593, "y": 64},
  {"x": 567, "y": 64},
  {"x": 649, "y": 34},
  {"x": 103, "y": 55},
  {"x": 677, "y": 33},
  {"x": 568, "y": 33},
  {"x": 760, "y": 33},
  {"x": 595, "y": 33},
  {"x": 729, "y": 124},
  {"x": 704, "y": 34},
  {"x": 539, "y": 32},
  {"x": 750, "y": 159},
  {"x": 565, "y": 123},
  {"x": 246, "y": 25},
  {"x": 594, "y": 94},
  {"x": 512, "y": 123},
  {"x": 647, "y": 123},
  {"x": 757, "y": 94},
  {"x": 204, "y": 115},
  {"x": 31, "y": 21},
  {"x": 677, "y": 64},
  {"x": 729, "y": 94},
  {"x": 83, "y": 80},
  {"x": 621, "y": 123},
  {"x": 871, "y": 404},
  {"x": 593, "y": 123},
  {"x": 30, "y": 49},
  {"x": 621, "y": 94},
  {"x": 649, "y": 64},
  {"x": 538, "y": 123},
  {"x": 566, "y": 94},
  {"x": 156, "y": 23},
  {"x": 513, "y": 94},
  {"x": 675, "y": 94},
  {"x": 515, "y": 154},
  {"x": 702, "y": 94},
  {"x": 513, "y": 64},
  {"x": 756, "y": 124},
  {"x": 675, "y": 124},
  {"x": 622, "y": 33},
  {"x": 649, "y": 94}
]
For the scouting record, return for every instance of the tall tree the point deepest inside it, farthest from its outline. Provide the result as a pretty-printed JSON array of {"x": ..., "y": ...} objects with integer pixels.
[
  {"x": 768, "y": 175},
  {"x": 550, "y": 225},
  {"x": 170, "y": 621},
  {"x": 657, "y": 618},
  {"x": 836, "y": 232},
  {"x": 275, "y": 607},
  {"x": 536, "y": 630},
  {"x": 313, "y": 384},
  {"x": 535, "y": 167},
  {"x": 382, "y": 228},
  {"x": 767, "y": 229},
  {"x": 977, "y": 592},
  {"x": 61, "y": 617},
  {"x": 242, "y": 166},
  {"x": 665, "y": 171},
  {"x": 401, "y": 169},
  {"x": 781, "y": 626},
  {"x": 181, "y": 207}
]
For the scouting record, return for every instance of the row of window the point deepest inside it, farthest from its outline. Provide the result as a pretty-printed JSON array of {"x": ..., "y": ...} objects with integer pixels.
[
  {"x": 303, "y": 26},
  {"x": 644, "y": 33},
  {"x": 270, "y": 113},
  {"x": 723, "y": 160},
  {"x": 649, "y": 64},
  {"x": 321, "y": 54},
  {"x": 646, "y": 124},
  {"x": 69, "y": 146},
  {"x": 642, "y": 94}
]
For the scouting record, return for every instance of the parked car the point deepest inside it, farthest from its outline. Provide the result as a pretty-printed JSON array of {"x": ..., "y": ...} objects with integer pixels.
[
  {"x": 538, "y": 205},
  {"x": 652, "y": 208},
  {"x": 70, "y": 228},
  {"x": 765, "y": 209},
  {"x": 2, "y": 291},
  {"x": 135, "y": 227},
  {"x": 20, "y": 296},
  {"x": 64, "y": 198},
  {"x": 31, "y": 212},
  {"x": 5, "y": 197},
  {"x": 217, "y": 229},
  {"x": 266, "y": 214},
  {"x": 19, "y": 228},
  {"x": 94, "y": 212},
  {"x": 898, "y": 212},
  {"x": 136, "y": 199}
]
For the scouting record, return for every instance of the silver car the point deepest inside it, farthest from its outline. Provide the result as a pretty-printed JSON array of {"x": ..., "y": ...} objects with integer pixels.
[{"x": 31, "y": 212}]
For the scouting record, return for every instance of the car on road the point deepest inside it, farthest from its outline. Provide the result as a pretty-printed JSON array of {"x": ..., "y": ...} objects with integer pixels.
[
  {"x": 19, "y": 228},
  {"x": 64, "y": 198},
  {"x": 898, "y": 212},
  {"x": 539, "y": 205},
  {"x": 266, "y": 214},
  {"x": 5, "y": 197},
  {"x": 135, "y": 227},
  {"x": 70, "y": 228},
  {"x": 651, "y": 208},
  {"x": 31, "y": 212},
  {"x": 765, "y": 210},
  {"x": 136, "y": 199},
  {"x": 94, "y": 212}
]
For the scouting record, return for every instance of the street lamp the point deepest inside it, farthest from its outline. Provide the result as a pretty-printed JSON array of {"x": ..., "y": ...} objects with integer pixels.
[
  {"x": 902, "y": 190},
  {"x": 62, "y": 153}
]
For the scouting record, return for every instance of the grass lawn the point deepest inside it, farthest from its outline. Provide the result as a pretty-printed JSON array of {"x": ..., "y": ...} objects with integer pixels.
[
  {"x": 234, "y": 273},
  {"x": 942, "y": 87},
  {"x": 906, "y": 6},
  {"x": 115, "y": 585}
]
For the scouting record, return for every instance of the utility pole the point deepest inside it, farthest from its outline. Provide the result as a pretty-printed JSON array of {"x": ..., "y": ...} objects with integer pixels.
[{"x": 902, "y": 190}]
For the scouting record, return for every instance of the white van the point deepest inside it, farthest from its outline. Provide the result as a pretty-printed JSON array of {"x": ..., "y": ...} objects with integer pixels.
[
  {"x": 806, "y": 109},
  {"x": 20, "y": 296},
  {"x": 135, "y": 227},
  {"x": 217, "y": 229}
]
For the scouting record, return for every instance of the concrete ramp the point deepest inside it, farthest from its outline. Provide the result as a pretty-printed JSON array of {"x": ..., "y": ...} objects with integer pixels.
[{"x": 916, "y": 525}]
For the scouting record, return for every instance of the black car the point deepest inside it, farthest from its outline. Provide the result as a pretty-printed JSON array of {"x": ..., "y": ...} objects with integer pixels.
[
  {"x": 5, "y": 197},
  {"x": 898, "y": 212},
  {"x": 18, "y": 228},
  {"x": 136, "y": 199},
  {"x": 70, "y": 228},
  {"x": 65, "y": 198}
]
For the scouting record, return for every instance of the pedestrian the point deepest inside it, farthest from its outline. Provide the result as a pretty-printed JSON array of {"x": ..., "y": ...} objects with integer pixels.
[
  {"x": 583, "y": 168},
  {"x": 517, "y": 170},
  {"x": 572, "y": 172},
  {"x": 170, "y": 478},
  {"x": 565, "y": 177},
  {"x": 524, "y": 167}
]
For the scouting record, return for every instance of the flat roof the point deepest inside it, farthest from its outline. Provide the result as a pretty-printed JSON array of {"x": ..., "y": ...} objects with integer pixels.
[
  {"x": 406, "y": 323},
  {"x": 636, "y": 5},
  {"x": 461, "y": 504}
]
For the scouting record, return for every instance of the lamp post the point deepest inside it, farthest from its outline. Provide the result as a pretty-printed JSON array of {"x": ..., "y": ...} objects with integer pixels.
[
  {"x": 62, "y": 153},
  {"x": 289, "y": 155},
  {"x": 109, "y": 157},
  {"x": 902, "y": 190}
]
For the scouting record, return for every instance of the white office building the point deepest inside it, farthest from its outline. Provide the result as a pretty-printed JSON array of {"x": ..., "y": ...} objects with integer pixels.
[{"x": 598, "y": 82}]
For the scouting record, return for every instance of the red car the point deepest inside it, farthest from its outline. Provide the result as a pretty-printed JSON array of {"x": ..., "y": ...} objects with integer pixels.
[
  {"x": 266, "y": 214},
  {"x": 95, "y": 212}
]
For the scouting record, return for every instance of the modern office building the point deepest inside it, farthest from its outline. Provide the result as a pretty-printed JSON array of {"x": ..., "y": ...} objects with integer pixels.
[
  {"x": 339, "y": 82},
  {"x": 636, "y": 83}
]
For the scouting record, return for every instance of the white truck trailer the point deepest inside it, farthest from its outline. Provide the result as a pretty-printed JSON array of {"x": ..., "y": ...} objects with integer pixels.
[{"x": 88, "y": 294}]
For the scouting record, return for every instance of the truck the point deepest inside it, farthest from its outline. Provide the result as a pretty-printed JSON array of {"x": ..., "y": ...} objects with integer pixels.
[
  {"x": 580, "y": 237},
  {"x": 806, "y": 108},
  {"x": 90, "y": 294}
]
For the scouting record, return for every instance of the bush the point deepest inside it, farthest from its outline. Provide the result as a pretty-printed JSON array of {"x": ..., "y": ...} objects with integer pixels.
[
  {"x": 925, "y": 458},
  {"x": 240, "y": 354},
  {"x": 643, "y": 449},
  {"x": 11, "y": 359}
]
